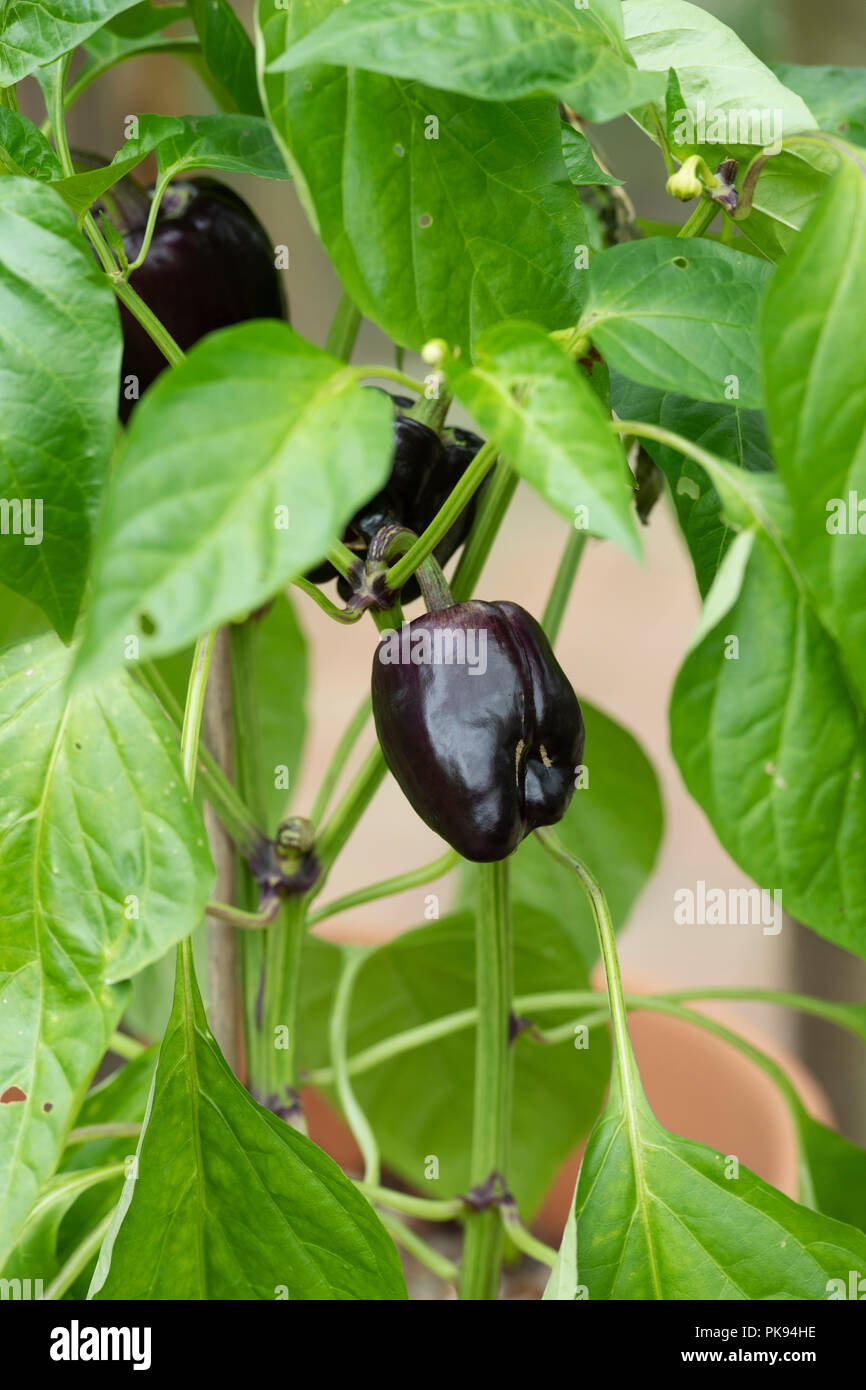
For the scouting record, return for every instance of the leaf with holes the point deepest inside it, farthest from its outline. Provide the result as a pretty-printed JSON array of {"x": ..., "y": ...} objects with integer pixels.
[
  {"x": 681, "y": 316},
  {"x": 379, "y": 164}
]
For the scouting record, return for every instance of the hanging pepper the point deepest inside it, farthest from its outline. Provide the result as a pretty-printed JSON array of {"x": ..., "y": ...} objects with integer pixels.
[
  {"x": 210, "y": 264},
  {"x": 424, "y": 471},
  {"x": 479, "y": 724}
]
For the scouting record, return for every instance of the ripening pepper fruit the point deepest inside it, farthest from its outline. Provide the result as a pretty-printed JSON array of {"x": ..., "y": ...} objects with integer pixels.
[
  {"x": 479, "y": 724},
  {"x": 210, "y": 264},
  {"x": 424, "y": 471}
]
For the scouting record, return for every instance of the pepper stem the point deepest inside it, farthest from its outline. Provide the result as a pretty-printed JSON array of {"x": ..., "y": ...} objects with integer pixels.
[
  {"x": 491, "y": 1125},
  {"x": 392, "y": 541}
]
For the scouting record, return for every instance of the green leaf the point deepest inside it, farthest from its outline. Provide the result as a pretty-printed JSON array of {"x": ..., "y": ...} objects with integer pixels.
[
  {"x": 528, "y": 395},
  {"x": 815, "y": 370},
  {"x": 240, "y": 467},
  {"x": 109, "y": 46},
  {"x": 580, "y": 159},
  {"x": 420, "y": 1102},
  {"x": 835, "y": 96},
  {"x": 497, "y": 51},
  {"x": 228, "y": 53},
  {"x": 24, "y": 149},
  {"x": 561, "y": 1287},
  {"x": 237, "y": 144},
  {"x": 771, "y": 744},
  {"x": 228, "y": 1202},
  {"x": 73, "y": 1202},
  {"x": 736, "y": 435},
  {"x": 58, "y": 404},
  {"x": 103, "y": 865},
  {"x": 838, "y": 1171},
  {"x": 717, "y": 74},
  {"x": 679, "y": 315},
  {"x": 789, "y": 187},
  {"x": 661, "y": 1217},
  {"x": 35, "y": 1255},
  {"x": 380, "y": 165},
  {"x": 33, "y": 35},
  {"x": 614, "y": 824}
]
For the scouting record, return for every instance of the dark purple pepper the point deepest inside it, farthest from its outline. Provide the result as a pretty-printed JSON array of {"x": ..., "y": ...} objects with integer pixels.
[
  {"x": 210, "y": 264},
  {"x": 485, "y": 745},
  {"x": 424, "y": 471}
]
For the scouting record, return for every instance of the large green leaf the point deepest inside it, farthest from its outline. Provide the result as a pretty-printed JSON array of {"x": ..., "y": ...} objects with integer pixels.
[
  {"x": 739, "y": 436},
  {"x": 715, "y": 73},
  {"x": 228, "y": 53},
  {"x": 681, "y": 316},
  {"x": 237, "y": 144},
  {"x": 538, "y": 405},
  {"x": 59, "y": 370},
  {"x": 815, "y": 370},
  {"x": 229, "y": 1202},
  {"x": 32, "y": 34},
  {"x": 240, "y": 467},
  {"x": 837, "y": 1169},
  {"x": 383, "y": 167},
  {"x": 420, "y": 1102},
  {"x": 614, "y": 824},
  {"x": 496, "y": 51},
  {"x": 835, "y": 96},
  {"x": 661, "y": 1217},
  {"x": 103, "y": 865},
  {"x": 769, "y": 737}
]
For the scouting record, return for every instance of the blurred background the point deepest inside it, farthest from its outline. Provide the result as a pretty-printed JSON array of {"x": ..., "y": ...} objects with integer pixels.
[{"x": 626, "y": 630}]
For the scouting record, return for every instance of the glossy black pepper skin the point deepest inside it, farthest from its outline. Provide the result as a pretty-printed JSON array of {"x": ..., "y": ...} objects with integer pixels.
[
  {"x": 484, "y": 758},
  {"x": 210, "y": 264},
  {"x": 424, "y": 471}
]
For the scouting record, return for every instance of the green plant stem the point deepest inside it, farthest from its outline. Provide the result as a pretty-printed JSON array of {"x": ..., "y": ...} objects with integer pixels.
[
  {"x": 444, "y": 519},
  {"x": 348, "y": 739},
  {"x": 524, "y": 1239},
  {"x": 238, "y": 916},
  {"x": 425, "y": 1208},
  {"x": 9, "y": 98},
  {"x": 377, "y": 373},
  {"x": 282, "y": 966},
  {"x": 122, "y": 1045},
  {"x": 84, "y": 1134},
  {"x": 701, "y": 218},
  {"x": 386, "y": 888},
  {"x": 339, "y": 615},
  {"x": 489, "y": 517},
  {"x": 349, "y": 810},
  {"x": 437, "y": 1263},
  {"x": 554, "y": 609},
  {"x": 220, "y": 792},
  {"x": 624, "y": 1056},
  {"x": 139, "y": 310},
  {"x": 192, "y": 715},
  {"x": 343, "y": 332},
  {"x": 341, "y": 558},
  {"x": 491, "y": 1124},
  {"x": 353, "y": 958},
  {"x": 78, "y": 1260}
]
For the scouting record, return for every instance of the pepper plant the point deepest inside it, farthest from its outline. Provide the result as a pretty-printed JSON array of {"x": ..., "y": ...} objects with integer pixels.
[{"x": 184, "y": 475}]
